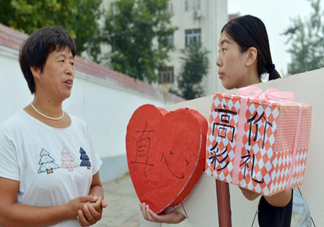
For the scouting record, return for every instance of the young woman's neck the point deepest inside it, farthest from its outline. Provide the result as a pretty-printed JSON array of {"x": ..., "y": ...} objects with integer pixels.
[{"x": 252, "y": 78}]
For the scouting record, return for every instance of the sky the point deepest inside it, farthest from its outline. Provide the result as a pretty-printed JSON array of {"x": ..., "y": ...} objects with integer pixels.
[{"x": 276, "y": 15}]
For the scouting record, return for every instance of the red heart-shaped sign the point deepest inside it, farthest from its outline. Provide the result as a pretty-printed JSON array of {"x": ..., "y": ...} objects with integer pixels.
[{"x": 165, "y": 154}]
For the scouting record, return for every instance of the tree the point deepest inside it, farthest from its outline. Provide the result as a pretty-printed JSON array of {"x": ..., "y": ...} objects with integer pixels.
[
  {"x": 307, "y": 41},
  {"x": 138, "y": 32},
  {"x": 85, "y": 158},
  {"x": 194, "y": 68},
  {"x": 78, "y": 17},
  {"x": 46, "y": 162},
  {"x": 67, "y": 160}
]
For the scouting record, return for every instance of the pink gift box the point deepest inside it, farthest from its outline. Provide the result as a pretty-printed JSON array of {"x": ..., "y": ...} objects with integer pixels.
[{"x": 258, "y": 141}]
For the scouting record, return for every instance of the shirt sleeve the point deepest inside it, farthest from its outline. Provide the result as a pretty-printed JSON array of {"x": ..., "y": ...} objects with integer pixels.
[
  {"x": 8, "y": 157},
  {"x": 97, "y": 162}
]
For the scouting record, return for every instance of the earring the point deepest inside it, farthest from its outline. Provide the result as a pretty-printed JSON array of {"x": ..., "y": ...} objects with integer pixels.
[{"x": 247, "y": 64}]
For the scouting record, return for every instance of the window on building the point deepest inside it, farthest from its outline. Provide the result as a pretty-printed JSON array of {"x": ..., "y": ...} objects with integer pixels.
[
  {"x": 192, "y": 36},
  {"x": 170, "y": 7},
  {"x": 166, "y": 75},
  {"x": 114, "y": 8},
  {"x": 191, "y": 5},
  {"x": 171, "y": 40}
]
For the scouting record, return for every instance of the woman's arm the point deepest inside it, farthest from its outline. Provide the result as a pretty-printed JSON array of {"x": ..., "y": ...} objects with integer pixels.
[
  {"x": 250, "y": 195},
  {"x": 13, "y": 214},
  {"x": 96, "y": 186},
  {"x": 280, "y": 199}
]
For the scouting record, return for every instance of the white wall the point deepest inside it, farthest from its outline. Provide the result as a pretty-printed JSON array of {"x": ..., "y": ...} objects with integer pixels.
[
  {"x": 106, "y": 107},
  {"x": 14, "y": 92}
]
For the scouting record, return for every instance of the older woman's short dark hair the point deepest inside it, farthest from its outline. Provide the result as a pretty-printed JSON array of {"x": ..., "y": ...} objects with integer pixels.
[{"x": 35, "y": 50}]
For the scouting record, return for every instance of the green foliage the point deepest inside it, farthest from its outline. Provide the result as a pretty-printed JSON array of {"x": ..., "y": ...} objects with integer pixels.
[
  {"x": 194, "y": 68},
  {"x": 138, "y": 32},
  {"x": 306, "y": 40},
  {"x": 79, "y": 17}
]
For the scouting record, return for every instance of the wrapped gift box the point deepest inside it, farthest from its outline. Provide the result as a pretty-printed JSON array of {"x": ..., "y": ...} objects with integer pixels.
[{"x": 258, "y": 141}]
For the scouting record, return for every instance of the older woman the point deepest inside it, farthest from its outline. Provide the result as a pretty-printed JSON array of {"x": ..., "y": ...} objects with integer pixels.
[{"x": 48, "y": 168}]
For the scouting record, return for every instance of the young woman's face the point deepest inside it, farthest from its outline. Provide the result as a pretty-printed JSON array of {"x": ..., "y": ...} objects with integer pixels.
[{"x": 231, "y": 63}]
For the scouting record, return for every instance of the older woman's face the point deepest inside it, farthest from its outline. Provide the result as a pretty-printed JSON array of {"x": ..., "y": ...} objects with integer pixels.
[
  {"x": 58, "y": 74},
  {"x": 231, "y": 63}
]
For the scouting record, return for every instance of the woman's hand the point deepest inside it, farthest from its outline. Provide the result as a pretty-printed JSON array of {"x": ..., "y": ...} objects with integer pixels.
[
  {"x": 280, "y": 199},
  {"x": 77, "y": 204},
  {"x": 172, "y": 217},
  {"x": 91, "y": 213}
]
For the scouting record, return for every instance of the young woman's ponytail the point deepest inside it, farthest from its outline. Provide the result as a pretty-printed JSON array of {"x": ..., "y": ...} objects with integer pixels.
[{"x": 273, "y": 73}]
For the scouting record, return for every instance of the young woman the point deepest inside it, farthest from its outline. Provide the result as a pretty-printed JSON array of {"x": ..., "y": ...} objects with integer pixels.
[
  {"x": 244, "y": 57},
  {"x": 48, "y": 168}
]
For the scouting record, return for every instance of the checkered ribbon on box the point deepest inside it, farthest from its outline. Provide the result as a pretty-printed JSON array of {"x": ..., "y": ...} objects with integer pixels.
[{"x": 256, "y": 164}]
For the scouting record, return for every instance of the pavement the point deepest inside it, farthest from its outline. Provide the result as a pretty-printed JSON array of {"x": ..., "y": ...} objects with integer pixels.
[
  {"x": 123, "y": 204},
  {"x": 122, "y": 209}
]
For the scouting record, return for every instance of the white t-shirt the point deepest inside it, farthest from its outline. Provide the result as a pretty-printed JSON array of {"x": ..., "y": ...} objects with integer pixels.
[{"x": 53, "y": 166}]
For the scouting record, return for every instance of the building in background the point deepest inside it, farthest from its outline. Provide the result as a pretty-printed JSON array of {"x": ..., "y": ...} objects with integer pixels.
[{"x": 196, "y": 20}]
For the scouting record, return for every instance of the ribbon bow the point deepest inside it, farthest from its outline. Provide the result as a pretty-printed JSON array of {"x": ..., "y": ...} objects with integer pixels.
[{"x": 270, "y": 94}]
